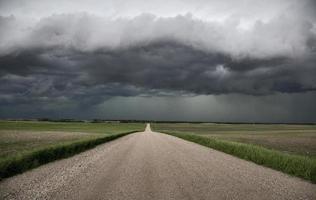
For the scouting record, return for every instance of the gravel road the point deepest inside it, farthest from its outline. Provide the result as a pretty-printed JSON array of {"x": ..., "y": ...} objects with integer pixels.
[{"x": 149, "y": 166}]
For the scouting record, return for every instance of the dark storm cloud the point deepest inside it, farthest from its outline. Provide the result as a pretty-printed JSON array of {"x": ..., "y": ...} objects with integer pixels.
[
  {"x": 79, "y": 57},
  {"x": 171, "y": 66},
  {"x": 163, "y": 66}
]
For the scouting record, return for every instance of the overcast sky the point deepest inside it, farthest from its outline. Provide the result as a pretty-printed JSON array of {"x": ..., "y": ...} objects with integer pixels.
[{"x": 200, "y": 60}]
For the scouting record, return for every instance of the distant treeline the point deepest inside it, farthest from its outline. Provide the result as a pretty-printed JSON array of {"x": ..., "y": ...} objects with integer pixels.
[{"x": 153, "y": 121}]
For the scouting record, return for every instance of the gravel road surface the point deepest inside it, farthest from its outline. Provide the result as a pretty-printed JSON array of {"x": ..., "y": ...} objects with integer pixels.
[{"x": 149, "y": 166}]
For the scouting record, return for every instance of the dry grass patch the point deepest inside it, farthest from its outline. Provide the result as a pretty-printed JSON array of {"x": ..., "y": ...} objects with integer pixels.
[{"x": 14, "y": 142}]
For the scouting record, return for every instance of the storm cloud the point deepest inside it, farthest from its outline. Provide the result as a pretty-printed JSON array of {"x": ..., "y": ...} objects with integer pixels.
[{"x": 78, "y": 55}]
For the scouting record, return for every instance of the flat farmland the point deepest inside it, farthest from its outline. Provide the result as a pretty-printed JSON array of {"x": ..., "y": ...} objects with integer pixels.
[
  {"x": 87, "y": 127},
  {"x": 27, "y": 144},
  {"x": 15, "y": 142},
  {"x": 20, "y": 136},
  {"x": 293, "y": 139}
]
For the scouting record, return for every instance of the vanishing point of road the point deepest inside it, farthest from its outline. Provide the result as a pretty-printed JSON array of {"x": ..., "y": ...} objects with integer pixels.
[{"x": 149, "y": 166}]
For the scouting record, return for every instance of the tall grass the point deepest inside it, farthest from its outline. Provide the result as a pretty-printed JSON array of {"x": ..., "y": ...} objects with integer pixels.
[
  {"x": 28, "y": 160},
  {"x": 296, "y": 165}
]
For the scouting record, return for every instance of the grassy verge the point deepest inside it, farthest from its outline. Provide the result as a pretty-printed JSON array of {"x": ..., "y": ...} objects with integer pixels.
[
  {"x": 296, "y": 165},
  {"x": 85, "y": 127},
  {"x": 17, "y": 137},
  {"x": 31, "y": 159},
  {"x": 287, "y": 138}
]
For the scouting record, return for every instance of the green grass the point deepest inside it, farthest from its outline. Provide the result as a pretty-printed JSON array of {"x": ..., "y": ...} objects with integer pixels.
[
  {"x": 292, "y": 139},
  {"x": 20, "y": 136},
  {"x": 296, "y": 165},
  {"x": 287, "y": 148},
  {"x": 102, "y": 128},
  {"x": 28, "y": 144},
  {"x": 31, "y": 159}
]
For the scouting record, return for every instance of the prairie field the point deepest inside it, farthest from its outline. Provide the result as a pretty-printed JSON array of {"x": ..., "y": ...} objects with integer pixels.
[
  {"x": 287, "y": 148},
  {"x": 293, "y": 139},
  {"x": 28, "y": 144},
  {"x": 20, "y": 136}
]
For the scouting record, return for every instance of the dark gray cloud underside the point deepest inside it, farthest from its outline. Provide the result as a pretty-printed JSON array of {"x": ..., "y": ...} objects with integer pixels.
[
  {"x": 74, "y": 59},
  {"x": 154, "y": 68}
]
